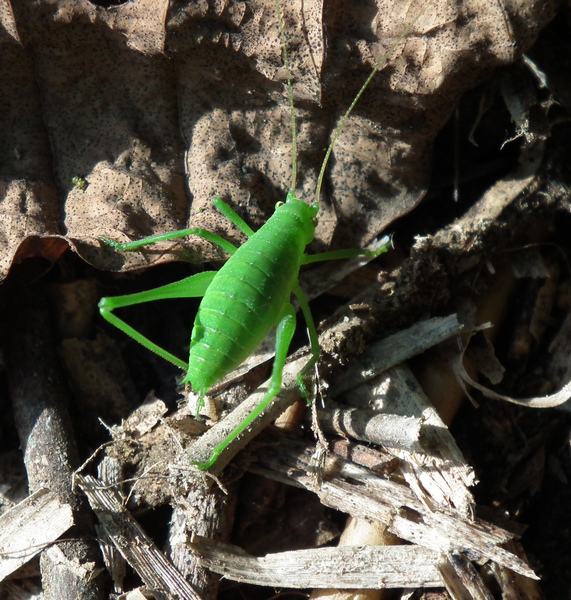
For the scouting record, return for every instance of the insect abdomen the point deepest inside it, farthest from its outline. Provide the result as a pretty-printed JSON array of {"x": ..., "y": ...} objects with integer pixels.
[{"x": 246, "y": 297}]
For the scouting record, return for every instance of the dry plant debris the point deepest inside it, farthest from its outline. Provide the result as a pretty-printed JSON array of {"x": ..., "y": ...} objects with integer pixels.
[{"x": 30, "y": 527}]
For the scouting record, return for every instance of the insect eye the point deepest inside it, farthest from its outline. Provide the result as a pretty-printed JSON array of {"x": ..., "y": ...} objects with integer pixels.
[
  {"x": 280, "y": 203},
  {"x": 314, "y": 221}
]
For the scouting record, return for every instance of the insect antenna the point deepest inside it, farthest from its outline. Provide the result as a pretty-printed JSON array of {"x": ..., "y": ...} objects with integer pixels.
[
  {"x": 380, "y": 64},
  {"x": 290, "y": 96}
]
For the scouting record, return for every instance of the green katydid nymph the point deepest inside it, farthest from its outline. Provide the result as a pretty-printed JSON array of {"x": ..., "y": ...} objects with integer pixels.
[{"x": 252, "y": 291}]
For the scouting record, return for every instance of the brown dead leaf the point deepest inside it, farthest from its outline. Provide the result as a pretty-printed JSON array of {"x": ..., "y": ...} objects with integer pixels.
[{"x": 158, "y": 108}]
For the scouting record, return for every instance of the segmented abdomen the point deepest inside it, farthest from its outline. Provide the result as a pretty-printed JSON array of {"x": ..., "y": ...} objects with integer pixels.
[{"x": 246, "y": 298}]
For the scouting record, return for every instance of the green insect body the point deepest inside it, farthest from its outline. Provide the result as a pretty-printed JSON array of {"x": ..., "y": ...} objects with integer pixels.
[
  {"x": 241, "y": 302},
  {"x": 249, "y": 295}
]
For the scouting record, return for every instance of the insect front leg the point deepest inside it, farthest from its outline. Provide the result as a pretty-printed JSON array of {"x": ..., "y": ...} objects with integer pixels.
[
  {"x": 227, "y": 246},
  {"x": 284, "y": 334},
  {"x": 235, "y": 219},
  {"x": 191, "y": 287}
]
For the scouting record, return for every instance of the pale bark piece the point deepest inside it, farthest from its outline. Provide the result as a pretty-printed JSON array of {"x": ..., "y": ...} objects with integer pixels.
[
  {"x": 366, "y": 567},
  {"x": 126, "y": 121},
  {"x": 391, "y": 431},
  {"x": 203, "y": 509},
  {"x": 359, "y": 492},
  {"x": 29, "y": 527},
  {"x": 135, "y": 546},
  {"x": 360, "y": 532},
  {"x": 437, "y": 472},
  {"x": 396, "y": 348},
  {"x": 109, "y": 473}
]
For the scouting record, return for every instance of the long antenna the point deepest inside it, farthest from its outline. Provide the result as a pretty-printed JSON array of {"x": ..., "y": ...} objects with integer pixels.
[
  {"x": 378, "y": 66},
  {"x": 291, "y": 105}
]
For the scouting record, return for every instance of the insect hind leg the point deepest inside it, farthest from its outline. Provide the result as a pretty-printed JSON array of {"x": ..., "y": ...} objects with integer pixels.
[
  {"x": 191, "y": 287},
  {"x": 284, "y": 334},
  {"x": 227, "y": 246}
]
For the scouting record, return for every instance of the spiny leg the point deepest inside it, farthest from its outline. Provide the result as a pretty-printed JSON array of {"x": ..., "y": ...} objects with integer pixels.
[
  {"x": 349, "y": 253},
  {"x": 191, "y": 287},
  {"x": 220, "y": 206},
  {"x": 313, "y": 341},
  {"x": 284, "y": 334},
  {"x": 236, "y": 220}
]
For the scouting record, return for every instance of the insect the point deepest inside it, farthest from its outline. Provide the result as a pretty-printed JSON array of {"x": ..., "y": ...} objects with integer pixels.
[{"x": 252, "y": 291}]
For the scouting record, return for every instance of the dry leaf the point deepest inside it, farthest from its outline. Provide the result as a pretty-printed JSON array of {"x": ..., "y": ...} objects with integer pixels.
[{"x": 127, "y": 121}]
